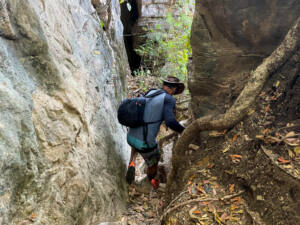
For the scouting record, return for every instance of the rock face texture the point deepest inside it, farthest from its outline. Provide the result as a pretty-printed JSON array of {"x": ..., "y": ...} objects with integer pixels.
[
  {"x": 229, "y": 39},
  {"x": 62, "y": 152},
  {"x": 136, "y": 16}
]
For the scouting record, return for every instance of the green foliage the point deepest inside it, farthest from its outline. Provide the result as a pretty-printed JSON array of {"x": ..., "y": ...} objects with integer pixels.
[{"x": 167, "y": 48}]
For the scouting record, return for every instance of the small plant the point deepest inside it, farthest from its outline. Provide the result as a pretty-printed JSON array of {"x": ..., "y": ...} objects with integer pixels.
[{"x": 167, "y": 48}]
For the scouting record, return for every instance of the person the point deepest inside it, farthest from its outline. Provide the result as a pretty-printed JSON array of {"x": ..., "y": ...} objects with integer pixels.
[{"x": 143, "y": 139}]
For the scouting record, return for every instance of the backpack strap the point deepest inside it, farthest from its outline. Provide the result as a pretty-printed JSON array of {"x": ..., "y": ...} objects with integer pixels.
[{"x": 160, "y": 91}]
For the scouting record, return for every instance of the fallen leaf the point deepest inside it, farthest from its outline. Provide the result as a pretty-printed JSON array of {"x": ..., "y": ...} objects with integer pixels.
[
  {"x": 226, "y": 149},
  {"x": 297, "y": 151},
  {"x": 277, "y": 83},
  {"x": 268, "y": 139},
  {"x": 262, "y": 94},
  {"x": 216, "y": 133},
  {"x": 237, "y": 200},
  {"x": 204, "y": 203},
  {"x": 234, "y": 207},
  {"x": 32, "y": 217},
  {"x": 251, "y": 111},
  {"x": 209, "y": 166},
  {"x": 266, "y": 131},
  {"x": 234, "y": 137},
  {"x": 235, "y": 158},
  {"x": 224, "y": 217},
  {"x": 214, "y": 192},
  {"x": 291, "y": 154},
  {"x": 239, "y": 212},
  {"x": 96, "y": 52},
  {"x": 232, "y": 219},
  {"x": 200, "y": 189},
  {"x": 192, "y": 177},
  {"x": 229, "y": 172},
  {"x": 231, "y": 188},
  {"x": 290, "y": 134},
  {"x": 193, "y": 147},
  {"x": 259, "y": 198},
  {"x": 267, "y": 108},
  {"x": 283, "y": 161},
  {"x": 196, "y": 212},
  {"x": 292, "y": 141}
]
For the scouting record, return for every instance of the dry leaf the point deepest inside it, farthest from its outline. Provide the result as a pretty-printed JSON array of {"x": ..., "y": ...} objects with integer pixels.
[
  {"x": 229, "y": 172},
  {"x": 290, "y": 134},
  {"x": 193, "y": 147},
  {"x": 96, "y": 52},
  {"x": 291, "y": 154},
  {"x": 214, "y": 192},
  {"x": 277, "y": 83},
  {"x": 226, "y": 149},
  {"x": 266, "y": 131},
  {"x": 262, "y": 94},
  {"x": 267, "y": 108},
  {"x": 200, "y": 189},
  {"x": 297, "y": 151},
  {"x": 235, "y": 156},
  {"x": 216, "y": 133},
  {"x": 250, "y": 112},
  {"x": 204, "y": 203},
  {"x": 268, "y": 139},
  {"x": 196, "y": 212},
  {"x": 192, "y": 177},
  {"x": 224, "y": 217},
  {"x": 292, "y": 141},
  {"x": 283, "y": 161},
  {"x": 237, "y": 200},
  {"x": 234, "y": 137},
  {"x": 32, "y": 217},
  {"x": 231, "y": 188},
  {"x": 209, "y": 166}
]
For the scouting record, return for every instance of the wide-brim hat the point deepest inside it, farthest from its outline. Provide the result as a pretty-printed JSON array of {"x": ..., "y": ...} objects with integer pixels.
[{"x": 174, "y": 81}]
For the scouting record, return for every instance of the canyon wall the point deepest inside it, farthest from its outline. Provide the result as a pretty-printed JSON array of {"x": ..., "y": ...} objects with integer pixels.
[
  {"x": 62, "y": 73},
  {"x": 229, "y": 39}
]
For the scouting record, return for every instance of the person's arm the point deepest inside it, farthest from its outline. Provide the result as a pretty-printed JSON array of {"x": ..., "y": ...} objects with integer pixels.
[{"x": 168, "y": 114}]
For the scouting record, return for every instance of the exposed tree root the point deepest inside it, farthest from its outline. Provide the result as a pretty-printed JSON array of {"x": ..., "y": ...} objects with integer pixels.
[
  {"x": 239, "y": 109},
  {"x": 227, "y": 197}
]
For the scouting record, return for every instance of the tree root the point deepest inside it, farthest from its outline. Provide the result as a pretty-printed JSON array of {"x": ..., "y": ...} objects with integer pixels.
[
  {"x": 240, "y": 108},
  {"x": 227, "y": 197}
]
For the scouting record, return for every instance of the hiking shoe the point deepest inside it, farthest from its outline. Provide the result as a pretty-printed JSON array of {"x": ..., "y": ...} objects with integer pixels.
[
  {"x": 154, "y": 183},
  {"x": 130, "y": 173}
]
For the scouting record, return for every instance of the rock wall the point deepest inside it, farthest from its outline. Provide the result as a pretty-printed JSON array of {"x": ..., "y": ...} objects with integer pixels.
[
  {"x": 229, "y": 39},
  {"x": 62, "y": 153}
]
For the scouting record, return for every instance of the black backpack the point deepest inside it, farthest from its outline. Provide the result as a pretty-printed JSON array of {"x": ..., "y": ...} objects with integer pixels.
[{"x": 131, "y": 111}]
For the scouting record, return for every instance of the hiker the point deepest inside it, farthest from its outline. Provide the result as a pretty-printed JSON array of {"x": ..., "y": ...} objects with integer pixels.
[{"x": 143, "y": 139}]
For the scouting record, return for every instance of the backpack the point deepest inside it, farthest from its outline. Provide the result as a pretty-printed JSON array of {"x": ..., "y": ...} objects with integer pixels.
[{"x": 131, "y": 111}]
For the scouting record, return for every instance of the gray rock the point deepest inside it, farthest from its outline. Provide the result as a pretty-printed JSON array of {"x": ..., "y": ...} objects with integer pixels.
[{"x": 62, "y": 152}]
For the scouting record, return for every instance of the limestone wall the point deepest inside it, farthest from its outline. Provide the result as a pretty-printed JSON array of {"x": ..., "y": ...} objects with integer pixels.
[{"x": 62, "y": 153}]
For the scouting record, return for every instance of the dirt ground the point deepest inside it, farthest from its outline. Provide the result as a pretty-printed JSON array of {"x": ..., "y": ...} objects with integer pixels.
[{"x": 259, "y": 156}]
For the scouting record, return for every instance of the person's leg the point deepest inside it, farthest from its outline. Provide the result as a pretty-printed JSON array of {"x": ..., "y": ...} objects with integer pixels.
[
  {"x": 152, "y": 159},
  {"x": 152, "y": 171},
  {"x": 132, "y": 155},
  {"x": 131, "y": 167}
]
